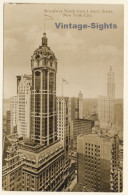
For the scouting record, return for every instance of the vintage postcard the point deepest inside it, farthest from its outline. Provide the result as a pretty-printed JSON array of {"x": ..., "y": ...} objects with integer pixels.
[{"x": 63, "y": 97}]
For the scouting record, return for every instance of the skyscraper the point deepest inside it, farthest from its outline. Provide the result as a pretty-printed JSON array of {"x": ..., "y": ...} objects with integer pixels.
[
  {"x": 43, "y": 94},
  {"x": 110, "y": 83},
  {"x": 106, "y": 110},
  {"x": 81, "y": 106},
  {"x": 77, "y": 106},
  {"x": 45, "y": 166},
  {"x": 74, "y": 108},
  {"x": 63, "y": 122},
  {"x": 23, "y": 107},
  {"x": 106, "y": 104}
]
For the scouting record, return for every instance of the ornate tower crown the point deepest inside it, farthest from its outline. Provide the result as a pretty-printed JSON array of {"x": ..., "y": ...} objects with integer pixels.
[{"x": 43, "y": 57}]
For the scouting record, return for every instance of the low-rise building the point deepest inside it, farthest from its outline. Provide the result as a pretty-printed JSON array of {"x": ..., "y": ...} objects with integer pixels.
[{"x": 12, "y": 165}]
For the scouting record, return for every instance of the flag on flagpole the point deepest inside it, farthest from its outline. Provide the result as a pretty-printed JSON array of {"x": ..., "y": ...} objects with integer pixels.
[
  {"x": 47, "y": 17},
  {"x": 65, "y": 81}
]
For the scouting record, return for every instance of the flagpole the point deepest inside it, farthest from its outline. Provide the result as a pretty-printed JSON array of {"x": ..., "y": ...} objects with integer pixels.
[
  {"x": 44, "y": 23},
  {"x": 62, "y": 87}
]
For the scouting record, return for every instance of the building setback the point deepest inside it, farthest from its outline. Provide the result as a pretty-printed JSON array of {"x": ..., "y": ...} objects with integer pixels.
[
  {"x": 98, "y": 162},
  {"x": 24, "y": 105}
]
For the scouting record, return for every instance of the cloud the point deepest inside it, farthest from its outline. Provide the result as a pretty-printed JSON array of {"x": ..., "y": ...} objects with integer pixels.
[
  {"x": 31, "y": 33},
  {"x": 104, "y": 50},
  {"x": 10, "y": 44},
  {"x": 64, "y": 41}
]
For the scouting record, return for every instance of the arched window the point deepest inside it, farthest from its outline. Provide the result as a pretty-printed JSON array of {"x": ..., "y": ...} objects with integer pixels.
[{"x": 37, "y": 80}]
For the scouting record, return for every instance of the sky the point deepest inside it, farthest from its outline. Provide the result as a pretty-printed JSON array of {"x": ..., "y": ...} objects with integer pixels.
[{"x": 84, "y": 56}]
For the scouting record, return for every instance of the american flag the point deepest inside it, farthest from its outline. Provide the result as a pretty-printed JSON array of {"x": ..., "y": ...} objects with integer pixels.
[{"x": 65, "y": 81}]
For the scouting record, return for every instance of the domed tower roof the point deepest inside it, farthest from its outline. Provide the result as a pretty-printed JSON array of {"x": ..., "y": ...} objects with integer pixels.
[{"x": 43, "y": 55}]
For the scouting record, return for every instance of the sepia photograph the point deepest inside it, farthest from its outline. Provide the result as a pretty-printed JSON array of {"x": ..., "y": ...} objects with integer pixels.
[{"x": 63, "y": 97}]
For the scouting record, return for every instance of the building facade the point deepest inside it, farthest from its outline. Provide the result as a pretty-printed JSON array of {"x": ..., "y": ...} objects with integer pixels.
[
  {"x": 110, "y": 83},
  {"x": 81, "y": 105},
  {"x": 119, "y": 114},
  {"x": 98, "y": 162},
  {"x": 74, "y": 108},
  {"x": 24, "y": 105},
  {"x": 12, "y": 165},
  {"x": 8, "y": 122},
  {"x": 79, "y": 126},
  {"x": 63, "y": 125},
  {"x": 106, "y": 104},
  {"x": 13, "y": 114},
  {"x": 77, "y": 106},
  {"x": 63, "y": 121},
  {"x": 106, "y": 110},
  {"x": 44, "y": 168}
]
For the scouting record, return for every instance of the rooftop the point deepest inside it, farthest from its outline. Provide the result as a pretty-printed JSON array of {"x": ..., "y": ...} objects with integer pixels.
[
  {"x": 31, "y": 146},
  {"x": 41, "y": 154},
  {"x": 104, "y": 137}
]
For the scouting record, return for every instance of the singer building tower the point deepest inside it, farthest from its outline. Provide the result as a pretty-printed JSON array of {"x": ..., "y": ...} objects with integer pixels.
[
  {"x": 44, "y": 164},
  {"x": 43, "y": 95}
]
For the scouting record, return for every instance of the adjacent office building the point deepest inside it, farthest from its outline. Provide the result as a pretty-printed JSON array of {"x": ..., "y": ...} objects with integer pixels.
[
  {"x": 77, "y": 106},
  {"x": 63, "y": 121},
  {"x": 79, "y": 126},
  {"x": 98, "y": 162},
  {"x": 24, "y": 105}
]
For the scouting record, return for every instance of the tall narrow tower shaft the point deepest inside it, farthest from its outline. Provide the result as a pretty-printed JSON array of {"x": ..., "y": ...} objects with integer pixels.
[
  {"x": 110, "y": 84},
  {"x": 43, "y": 95}
]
